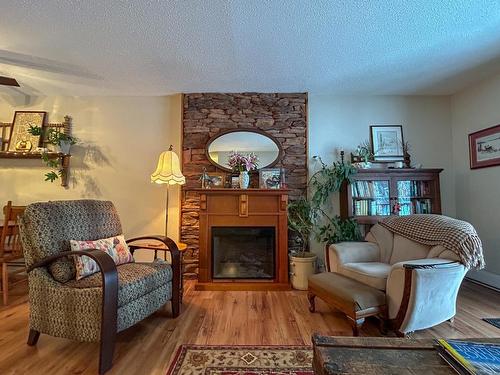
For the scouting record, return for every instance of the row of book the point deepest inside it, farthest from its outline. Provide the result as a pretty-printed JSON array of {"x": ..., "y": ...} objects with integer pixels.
[
  {"x": 372, "y": 207},
  {"x": 368, "y": 208},
  {"x": 363, "y": 189},
  {"x": 414, "y": 188},
  {"x": 469, "y": 357},
  {"x": 422, "y": 206}
]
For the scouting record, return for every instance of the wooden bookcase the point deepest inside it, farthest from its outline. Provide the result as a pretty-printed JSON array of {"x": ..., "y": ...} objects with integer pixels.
[{"x": 378, "y": 193}]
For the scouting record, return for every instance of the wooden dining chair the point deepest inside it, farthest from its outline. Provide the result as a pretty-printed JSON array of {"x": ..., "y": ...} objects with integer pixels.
[{"x": 11, "y": 251}]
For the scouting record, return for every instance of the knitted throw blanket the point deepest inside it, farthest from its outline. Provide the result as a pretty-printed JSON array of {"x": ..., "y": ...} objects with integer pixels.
[{"x": 432, "y": 230}]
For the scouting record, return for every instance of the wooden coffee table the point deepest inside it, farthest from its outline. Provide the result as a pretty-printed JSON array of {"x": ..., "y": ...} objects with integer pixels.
[{"x": 379, "y": 356}]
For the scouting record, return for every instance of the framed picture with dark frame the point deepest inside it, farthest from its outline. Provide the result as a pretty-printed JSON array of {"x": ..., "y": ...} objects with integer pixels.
[
  {"x": 387, "y": 142},
  {"x": 484, "y": 148},
  {"x": 20, "y": 140}
]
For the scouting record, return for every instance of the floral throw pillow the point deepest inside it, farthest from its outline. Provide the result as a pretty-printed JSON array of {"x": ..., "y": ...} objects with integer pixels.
[{"x": 116, "y": 247}]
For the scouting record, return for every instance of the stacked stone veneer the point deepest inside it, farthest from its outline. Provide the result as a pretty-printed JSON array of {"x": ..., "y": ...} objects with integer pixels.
[{"x": 204, "y": 115}]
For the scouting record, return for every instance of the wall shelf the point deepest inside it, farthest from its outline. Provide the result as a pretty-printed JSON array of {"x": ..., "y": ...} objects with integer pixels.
[
  {"x": 64, "y": 127},
  {"x": 29, "y": 155}
]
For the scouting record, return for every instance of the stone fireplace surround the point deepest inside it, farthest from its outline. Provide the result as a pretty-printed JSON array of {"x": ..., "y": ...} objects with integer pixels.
[{"x": 282, "y": 115}]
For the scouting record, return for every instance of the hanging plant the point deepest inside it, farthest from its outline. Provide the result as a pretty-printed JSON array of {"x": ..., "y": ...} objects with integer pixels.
[{"x": 61, "y": 141}]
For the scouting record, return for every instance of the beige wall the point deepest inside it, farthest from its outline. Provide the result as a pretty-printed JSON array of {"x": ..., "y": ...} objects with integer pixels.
[
  {"x": 120, "y": 140},
  {"x": 477, "y": 191},
  {"x": 336, "y": 121}
]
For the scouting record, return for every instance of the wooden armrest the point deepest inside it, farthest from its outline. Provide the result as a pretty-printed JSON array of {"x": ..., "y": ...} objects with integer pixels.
[
  {"x": 431, "y": 265},
  {"x": 171, "y": 246},
  {"x": 103, "y": 260},
  {"x": 107, "y": 267}
]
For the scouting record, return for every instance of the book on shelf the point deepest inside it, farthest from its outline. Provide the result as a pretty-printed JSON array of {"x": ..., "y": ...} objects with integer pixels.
[
  {"x": 420, "y": 188},
  {"x": 469, "y": 357},
  {"x": 363, "y": 189},
  {"x": 422, "y": 206}
]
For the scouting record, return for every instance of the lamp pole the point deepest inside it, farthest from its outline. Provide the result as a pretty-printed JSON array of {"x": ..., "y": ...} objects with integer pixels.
[{"x": 166, "y": 214}]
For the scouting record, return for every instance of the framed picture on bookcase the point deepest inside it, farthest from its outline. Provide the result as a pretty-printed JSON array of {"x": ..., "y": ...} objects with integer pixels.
[
  {"x": 484, "y": 148},
  {"x": 387, "y": 142}
]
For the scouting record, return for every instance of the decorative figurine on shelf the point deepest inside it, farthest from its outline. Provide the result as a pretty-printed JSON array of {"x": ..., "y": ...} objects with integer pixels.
[
  {"x": 407, "y": 157},
  {"x": 205, "y": 179},
  {"x": 396, "y": 208},
  {"x": 24, "y": 145}
]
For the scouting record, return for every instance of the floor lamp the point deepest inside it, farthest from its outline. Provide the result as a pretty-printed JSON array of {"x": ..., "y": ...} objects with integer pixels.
[{"x": 168, "y": 172}]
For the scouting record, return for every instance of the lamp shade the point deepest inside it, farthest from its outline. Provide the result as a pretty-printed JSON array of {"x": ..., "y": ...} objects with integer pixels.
[{"x": 168, "y": 170}]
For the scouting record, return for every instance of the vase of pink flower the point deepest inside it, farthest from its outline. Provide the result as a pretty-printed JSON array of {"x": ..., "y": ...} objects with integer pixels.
[{"x": 243, "y": 164}]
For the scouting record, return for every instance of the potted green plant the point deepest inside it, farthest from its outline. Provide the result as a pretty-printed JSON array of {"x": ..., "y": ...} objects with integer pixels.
[
  {"x": 308, "y": 217},
  {"x": 365, "y": 153},
  {"x": 62, "y": 143},
  {"x": 302, "y": 262}
]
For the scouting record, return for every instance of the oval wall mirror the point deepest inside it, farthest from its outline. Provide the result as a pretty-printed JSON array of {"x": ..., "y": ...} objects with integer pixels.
[{"x": 266, "y": 147}]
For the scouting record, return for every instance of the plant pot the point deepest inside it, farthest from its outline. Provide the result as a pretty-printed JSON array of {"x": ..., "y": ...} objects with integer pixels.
[
  {"x": 64, "y": 147},
  {"x": 244, "y": 180},
  {"x": 300, "y": 270}
]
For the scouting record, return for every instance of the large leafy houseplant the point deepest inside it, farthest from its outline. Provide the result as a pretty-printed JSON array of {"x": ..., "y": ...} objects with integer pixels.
[{"x": 310, "y": 216}]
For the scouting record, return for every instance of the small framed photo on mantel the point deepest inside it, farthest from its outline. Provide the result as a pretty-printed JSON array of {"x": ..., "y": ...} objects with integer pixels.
[
  {"x": 271, "y": 178},
  {"x": 216, "y": 180},
  {"x": 484, "y": 148},
  {"x": 387, "y": 143}
]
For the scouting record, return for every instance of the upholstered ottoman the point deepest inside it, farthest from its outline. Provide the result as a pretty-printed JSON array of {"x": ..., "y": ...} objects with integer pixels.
[{"x": 356, "y": 300}]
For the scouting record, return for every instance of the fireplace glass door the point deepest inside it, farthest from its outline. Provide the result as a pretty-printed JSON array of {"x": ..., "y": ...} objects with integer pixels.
[{"x": 243, "y": 252}]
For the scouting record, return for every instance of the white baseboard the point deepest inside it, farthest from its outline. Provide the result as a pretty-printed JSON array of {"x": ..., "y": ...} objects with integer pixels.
[{"x": 485, "y": 277}]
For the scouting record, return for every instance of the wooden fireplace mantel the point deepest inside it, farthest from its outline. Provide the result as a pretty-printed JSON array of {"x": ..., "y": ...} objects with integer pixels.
[{"x": 243, "y": 208}]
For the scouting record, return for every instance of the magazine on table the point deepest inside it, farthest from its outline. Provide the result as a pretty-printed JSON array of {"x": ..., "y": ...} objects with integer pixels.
[{"x": 469, "y": 357}]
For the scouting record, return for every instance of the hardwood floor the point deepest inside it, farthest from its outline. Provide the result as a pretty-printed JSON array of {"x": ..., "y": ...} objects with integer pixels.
[{"x": 212, "y": 318}]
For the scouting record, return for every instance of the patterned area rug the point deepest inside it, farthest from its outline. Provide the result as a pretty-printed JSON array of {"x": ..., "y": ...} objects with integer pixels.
[{"x": 242, "y": 360}]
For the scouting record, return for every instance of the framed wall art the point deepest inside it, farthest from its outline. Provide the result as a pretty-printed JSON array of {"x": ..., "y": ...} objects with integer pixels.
[
  {"x": 484, "y": 148},
  {"x": 387, "y": 142},
  {"x": 270, "y": 178},
  {"x": 216, "y": 180},
  {"x": 20, "y": 139}
]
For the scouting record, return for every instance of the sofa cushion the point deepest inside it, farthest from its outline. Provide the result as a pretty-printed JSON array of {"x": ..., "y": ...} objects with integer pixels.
[
  {"x": 116, "y": 247},
  {"x": 405, "y": 249},
  {"x": 373, "y": 274},
  {"x": 134, "y": 280}
]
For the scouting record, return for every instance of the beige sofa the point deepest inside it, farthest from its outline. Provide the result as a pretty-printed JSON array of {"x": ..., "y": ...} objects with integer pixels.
[{"x": 421, "y": 282}]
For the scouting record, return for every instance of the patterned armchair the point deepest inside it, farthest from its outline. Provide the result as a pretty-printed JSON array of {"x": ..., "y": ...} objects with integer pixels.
[{"x": 98, "y": 306}]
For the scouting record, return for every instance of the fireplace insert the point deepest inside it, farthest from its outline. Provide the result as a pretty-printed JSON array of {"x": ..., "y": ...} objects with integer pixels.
[{"x": 243, "y": 253}]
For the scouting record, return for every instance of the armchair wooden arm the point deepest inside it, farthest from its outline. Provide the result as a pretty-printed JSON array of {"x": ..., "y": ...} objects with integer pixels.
[
  {"x": 171, "y": 247},
  {"x": 109, "y": 310}
]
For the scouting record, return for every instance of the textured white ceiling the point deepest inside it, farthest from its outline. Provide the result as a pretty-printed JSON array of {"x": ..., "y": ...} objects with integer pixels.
[{"x": 111, "y": 47}]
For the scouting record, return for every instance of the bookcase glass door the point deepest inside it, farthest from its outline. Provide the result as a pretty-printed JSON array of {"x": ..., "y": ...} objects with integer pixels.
[
  {"x": 371, "y": 198},
  {"x": 414, "y": 197}
]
